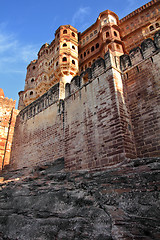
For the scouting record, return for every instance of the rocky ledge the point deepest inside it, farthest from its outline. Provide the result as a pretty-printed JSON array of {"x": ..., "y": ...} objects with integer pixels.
[{"x": 48, "y": 203}]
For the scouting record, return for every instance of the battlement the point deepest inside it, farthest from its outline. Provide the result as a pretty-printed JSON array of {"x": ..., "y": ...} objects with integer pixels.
[
  {"x": 43, "y": 102},
  {"x": 147, "y": 49},
  {"x": 139, "y": 10}
]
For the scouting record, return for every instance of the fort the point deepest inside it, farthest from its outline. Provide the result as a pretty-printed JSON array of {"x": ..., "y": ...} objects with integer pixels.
[
  {"x": 91, "y": 98},
  {"x": 80, "y": 157}
]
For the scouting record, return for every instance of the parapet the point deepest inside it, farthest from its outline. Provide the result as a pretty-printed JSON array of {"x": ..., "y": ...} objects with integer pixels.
[
  {"x": 5, "y": 101},
  {"x": 147, "y": 49},
  {"x": 43, "y": 102}
]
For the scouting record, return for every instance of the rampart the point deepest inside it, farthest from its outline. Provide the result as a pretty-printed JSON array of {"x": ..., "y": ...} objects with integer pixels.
[
  {"x": 141, "y": 78},
  {"x": 108, "y": 115},
  {"x": 8, "y": 115}
]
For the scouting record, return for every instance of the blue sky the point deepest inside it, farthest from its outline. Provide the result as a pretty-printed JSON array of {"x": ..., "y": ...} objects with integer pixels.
[{"x": 25, "y": 25}]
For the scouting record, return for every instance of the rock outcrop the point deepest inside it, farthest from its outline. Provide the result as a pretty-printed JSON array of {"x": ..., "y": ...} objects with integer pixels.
[{"x": 51, "y": 204}]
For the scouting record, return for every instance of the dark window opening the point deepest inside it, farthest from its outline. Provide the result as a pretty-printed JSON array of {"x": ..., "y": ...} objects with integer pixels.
[
  {"x": 64, "y": 59},
  {"x": 65, "y": 31},
  {"x": 115, "y": 34},
  {"x": 32, "y": 80},
  {"x": 92, "y": 48},
  {"x": 81, "y": 56},
  {"x": 107, "y": 34},
  {"x": 97, "y": 45},
  {"x": 64, "y": 45},
  {"x": 56, "y": 63},
  {"x": 151, "y": 28},
  {"x": 73, "y": 47},
  {"x": 31, "y": 93},
  {"x": 88, "y": 52},
  {"x": 157, "y": 25},
  {"x": 81, "y": 68},
  {"x": 34, "y": 67},
  {"x": 73, "y": 62},
  {"x": 84, "y": 54},
  {"x": 73, "y": 34}
]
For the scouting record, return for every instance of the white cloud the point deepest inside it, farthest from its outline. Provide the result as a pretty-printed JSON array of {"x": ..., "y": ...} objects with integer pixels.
[
  {"x": 13, "y": 54},
  {"x": 79, "y": 15}
]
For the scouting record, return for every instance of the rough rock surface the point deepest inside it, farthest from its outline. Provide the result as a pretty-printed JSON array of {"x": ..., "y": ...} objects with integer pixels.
[{"x": 49, "y": 203}]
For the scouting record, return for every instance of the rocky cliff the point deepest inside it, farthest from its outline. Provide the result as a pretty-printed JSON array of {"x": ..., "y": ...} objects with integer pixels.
[{"x": 48, "y": 203}]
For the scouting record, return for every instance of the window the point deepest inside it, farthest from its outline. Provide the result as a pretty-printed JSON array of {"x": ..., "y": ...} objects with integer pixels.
[
  {"x": 88, "y": 52},
  {"x": 73, "y": 47},
  {"x": 47, "y": 51},
  {"x": 95, "y": 31},
  {"x": 97, "y": 45},
  {"x": 89, "y": 64},
  {"x": 151, "y": 28},
  {"x": 64, "y": 59},
  {"x": 81, "y": 56},
  {"x": 92, "y": 48},
  {"x": 115, "y": 34},
  {"x": 91, "y": 35},
  {"x": 73, "y": 34},
  {"x": 65, "y": 31},
  {"x": 87, "y": 38},
  {"x": 31, "y": 93},
  {"x": 81, "y": 68},
  {"x": 107, "y": 34},
  {"x": 83, "y": 40},
  {"x": 57, "y": 48},
  {"x": 157, "y": 25},
  {"x": 118, "y": 47},
  {"x": 58, "y": 35},
  {"x": 32, "y": 80},
  {"x": 73, "y": 62},
  {"x": 84, "y": 54},
  {"x": 34, "y": 67},
  {"x": 64, "y": 45},
  {"x": 85, "y": 66},
  {"x": 56, "y": 63}
]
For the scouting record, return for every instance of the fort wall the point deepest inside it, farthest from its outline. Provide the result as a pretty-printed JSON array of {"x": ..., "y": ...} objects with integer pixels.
[
  {"x": 38, "y": 133},
  {"x": 110, "y": 114},
  {"x": 8, "y": 115},
  {"x": 141, "y": 77},
  {"x": 90, "y": 128}
]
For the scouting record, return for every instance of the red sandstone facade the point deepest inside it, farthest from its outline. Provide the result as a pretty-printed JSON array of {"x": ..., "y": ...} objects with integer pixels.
[{"x": 107, "y": 114}]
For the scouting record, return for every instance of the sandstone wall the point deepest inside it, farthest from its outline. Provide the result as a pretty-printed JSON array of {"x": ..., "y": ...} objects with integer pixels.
[
  {"x": 8, "y": 115},
  {"x": 38, "y": 133},
  {"x": 141, "y": 76},
  {"x": 97, "y": 132},
  {"x": 91, "y": 128}
]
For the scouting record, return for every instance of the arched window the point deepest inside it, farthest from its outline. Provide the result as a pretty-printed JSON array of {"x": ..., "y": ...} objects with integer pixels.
[
  {"x": 151, "y": 28},
  {"x": 31, "y": 93},
  {"x": 92, "y": 48},
  {"x": 88, "y": 52},
  {"x": 73, "y": 34},
  {"x": 32, "y": 80},
  {"x": 64, "y": 59},
  {"x": 157, "y": 25},
  {"x": 65, "y": 31},
  {"x": 89, "y": 64},
  {"x": 115, "y": 34},
  {"x": 81, "y": 56},
  {"x": 97, "y": 45},
  {"x": 107, "y": 34},
  {"x": 56, "y": 63},
  {"x": 84, "y": 54},
  {"x": 81, "y": 68},
  {"x": 64, "y": 45},
  {"x": 73, "y": 47},
  {"x": 73, "y": 62},
  {"x": 34, "y": 67}
]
